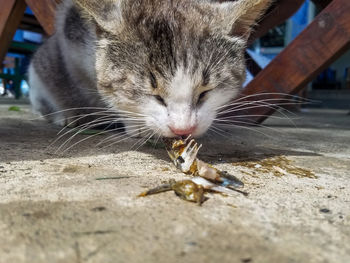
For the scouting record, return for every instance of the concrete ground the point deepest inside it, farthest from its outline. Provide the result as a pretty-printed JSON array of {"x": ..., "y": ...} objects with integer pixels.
[{"x": 81, "y": 206}]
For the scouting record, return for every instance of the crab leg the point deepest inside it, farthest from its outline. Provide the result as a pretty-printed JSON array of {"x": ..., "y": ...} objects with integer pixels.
[
  {"x": 207, "y": 185},
  {"x": 159, "y": 189}
]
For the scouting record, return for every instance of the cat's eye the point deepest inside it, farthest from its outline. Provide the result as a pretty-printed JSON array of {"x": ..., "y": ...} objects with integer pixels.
[
  {"x": 202, "y": 96},
  {"x": 153, "y": 80},
  {"x": 160, "y": 100}
]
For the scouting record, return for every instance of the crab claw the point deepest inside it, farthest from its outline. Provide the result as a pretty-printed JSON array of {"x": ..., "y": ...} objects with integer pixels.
[{"x": 188, "y": 156}]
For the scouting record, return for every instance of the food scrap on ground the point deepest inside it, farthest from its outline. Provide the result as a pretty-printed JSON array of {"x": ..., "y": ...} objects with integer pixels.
[
  {"x": 183, "y": 153},
  {"x": 277, "y": 165}
]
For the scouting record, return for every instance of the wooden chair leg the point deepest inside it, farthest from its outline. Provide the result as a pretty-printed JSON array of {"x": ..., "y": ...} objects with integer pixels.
[
  {"x": 279, "y": 12},
  {"x": 44, "y": 11},
  {"x": 252, "y": 66},
  {"x": 321, "y": 3},
  {"x": 11, "y": 13},
  {"x": 321, "y": 43}
]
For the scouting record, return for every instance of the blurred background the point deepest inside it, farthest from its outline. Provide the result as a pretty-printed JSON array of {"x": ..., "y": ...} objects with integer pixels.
[{"x": 331, "y": 88}]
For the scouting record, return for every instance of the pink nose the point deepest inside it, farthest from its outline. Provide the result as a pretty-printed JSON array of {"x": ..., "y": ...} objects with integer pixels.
[{"x": 180, "y": 132}]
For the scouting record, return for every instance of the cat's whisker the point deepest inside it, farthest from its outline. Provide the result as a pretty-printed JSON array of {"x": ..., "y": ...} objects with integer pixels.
[
  {"x": 87, "y": 138},
  {"x": 257, "y": 103},
  {"x": 106, "y": 130},
  {"x": 101, "y": 111},
  {"x": 157, "y": 140},
  {"x": 262, "y": 102},
  {"x": 247, "y": 119},
  {"x": 154, "y": 133},
  {"x": 131, "y": 113},
  {"x": 260, "y": 105},
  {"x": 285, "y": 96},
  {"x": 80, "y": 130},
  {"x": 229, "y": 122},
  {"x": 104, "y": 120},
  {"x": 254, "y": 115},
  {"x": 138, "y": 119},
  {"x": 285, "y": 116},
  {"x": 219, "y": 131},
  {"x": 111, "y": 137},
  {"x": 114, "y": 118},
  {"x": 143, "y": 140},
  {"x": 93, "y": 123},
  {"x": 243, "y": 127},
  {"x": 128, "y": 136},
  {"x": 85, "y": 114},
  {"x": 211, "y": 129},
  {"x": 77, "y": 132},
  {"x": 122, "y": 129},
  {"x": 70, "y": 125},
  {"x": 72, "y": 109},
  {"x": 117, "y": 137},
  {"x": 92, "y": 114}
]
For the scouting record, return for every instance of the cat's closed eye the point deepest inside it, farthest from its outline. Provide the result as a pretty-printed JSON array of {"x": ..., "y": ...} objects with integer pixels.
[
  {"x": 202, "y": 96},
  {"x": 160, "y": 100}
]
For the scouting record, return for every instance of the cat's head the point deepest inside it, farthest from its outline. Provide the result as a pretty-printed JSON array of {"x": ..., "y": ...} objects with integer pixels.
[{"x": 171, "y": 63}]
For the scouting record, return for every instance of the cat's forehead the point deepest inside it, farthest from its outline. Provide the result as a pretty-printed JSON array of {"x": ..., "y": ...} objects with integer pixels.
[
  {"x": 163, "y": 40},
  {"x": 176, "y": 16},
  {"x": 180, "y": 10},
  {"x": 171, "y": 30},
  {"x": 162, "y": 17}
]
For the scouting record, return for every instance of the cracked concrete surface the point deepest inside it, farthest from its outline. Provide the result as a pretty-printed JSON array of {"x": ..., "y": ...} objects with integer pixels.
[{"x": 81, "y": 206}]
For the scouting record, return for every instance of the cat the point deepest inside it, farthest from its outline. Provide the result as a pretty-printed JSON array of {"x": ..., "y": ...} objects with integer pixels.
[{"x": 159, "y": 66}]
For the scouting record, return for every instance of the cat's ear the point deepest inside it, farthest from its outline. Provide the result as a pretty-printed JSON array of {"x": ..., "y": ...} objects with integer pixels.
[
  {"x": 239, "y": 17},
  {"x": 106, "y": 13}
]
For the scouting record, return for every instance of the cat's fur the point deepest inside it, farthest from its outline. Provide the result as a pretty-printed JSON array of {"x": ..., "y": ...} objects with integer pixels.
[{"x": 169, "y": 63}]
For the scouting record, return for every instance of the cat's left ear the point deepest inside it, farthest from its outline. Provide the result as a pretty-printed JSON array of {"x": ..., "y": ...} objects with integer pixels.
[
  {"x": 107, "y": 13},
  {"x": 239, "y": 17}
]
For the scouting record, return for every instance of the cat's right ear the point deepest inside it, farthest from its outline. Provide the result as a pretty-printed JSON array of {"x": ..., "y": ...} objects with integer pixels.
[
  {"x": 106, "y": 13},
  {"x": 238, "y": 17}
]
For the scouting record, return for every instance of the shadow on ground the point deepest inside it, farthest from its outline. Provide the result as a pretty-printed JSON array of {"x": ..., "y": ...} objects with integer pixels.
[{"x": 82, "y": 205}]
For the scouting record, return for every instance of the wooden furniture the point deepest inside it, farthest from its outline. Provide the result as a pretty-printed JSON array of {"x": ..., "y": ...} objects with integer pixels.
[
  {"x": 321, "y": 43},
  {"x": 12, "y": 17},
  {"x": 12, "y": 13}
]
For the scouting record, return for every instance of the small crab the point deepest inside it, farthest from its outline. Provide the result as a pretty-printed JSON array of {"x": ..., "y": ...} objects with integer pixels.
[
  {"x": 190, "y": 189},
  {"x": 183, "y": 152}
]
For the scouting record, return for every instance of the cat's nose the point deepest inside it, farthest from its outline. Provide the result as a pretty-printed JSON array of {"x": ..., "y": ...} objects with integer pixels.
[{"x": 183, "y": 132}]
